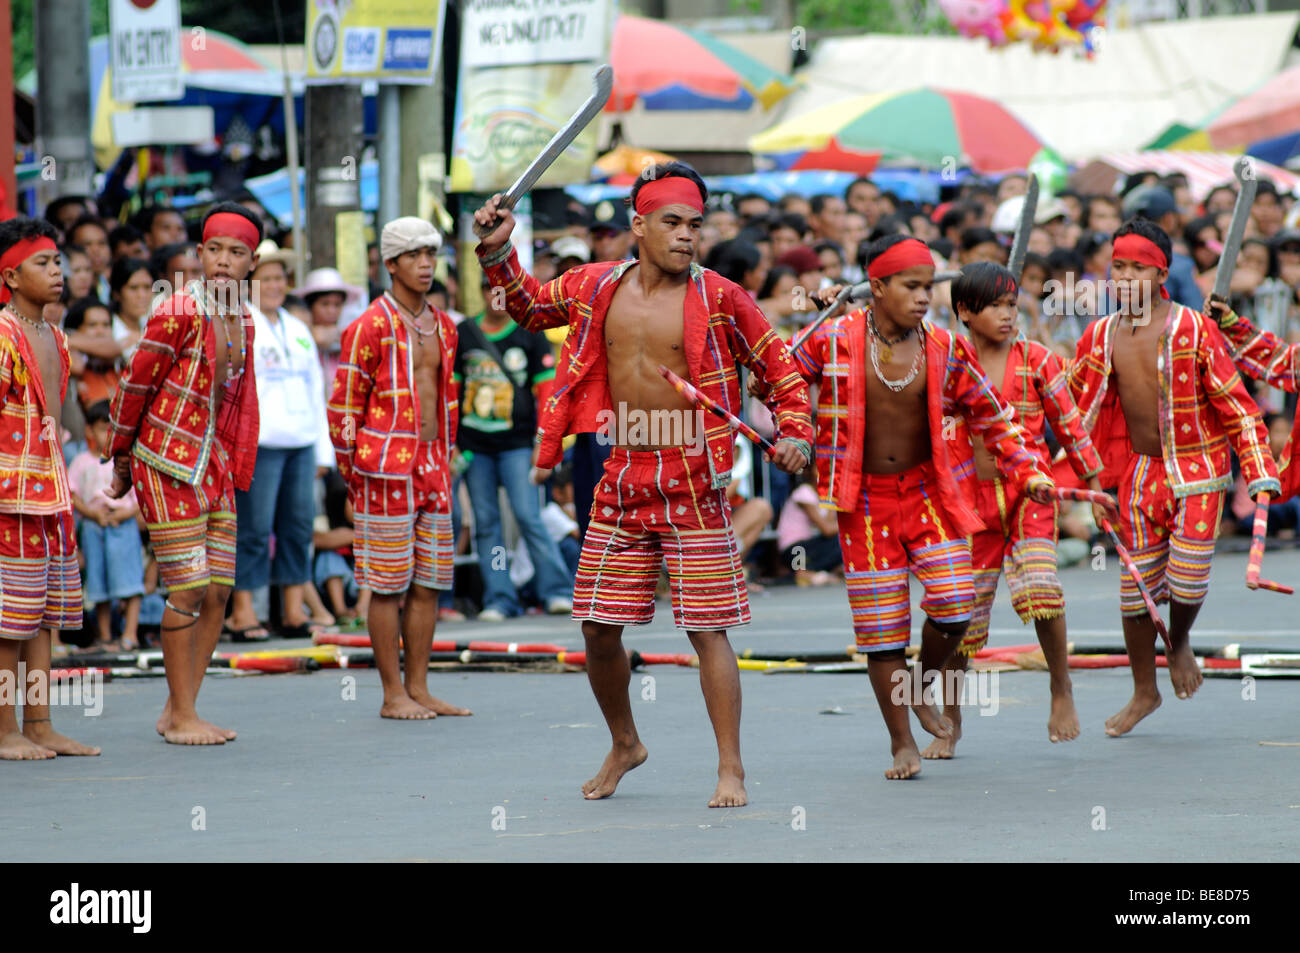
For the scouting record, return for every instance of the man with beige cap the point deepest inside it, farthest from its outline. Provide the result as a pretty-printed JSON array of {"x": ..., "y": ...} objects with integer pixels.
[{"x": 392, "y": 420}]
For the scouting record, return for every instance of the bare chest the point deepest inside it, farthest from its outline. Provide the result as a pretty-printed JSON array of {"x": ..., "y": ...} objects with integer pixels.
[{"x": 636, "y": 324}]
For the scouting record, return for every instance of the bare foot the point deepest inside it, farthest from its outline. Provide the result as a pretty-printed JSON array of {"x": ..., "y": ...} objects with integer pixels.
[
  {"x": 193, "y": 731},
  {"x": 43, "y": 734},
  {"x": 907, "y": 763},
  {"x": 436, "y": 705},
  {"x": 1063, "y": 722},
  {"x": 618, "y": 762},
  {"x": 405, "y": 708},
  {"x": 1184, "y": 673},
  {"x": 730, "y": 792},
  {"x": 164, "y": 723},
  {"x": 941, "y": 749},
  {"x": 1138, "y": 707},
  {"x": 16, "y": 747},
  {"x": 933, "y": 720}
]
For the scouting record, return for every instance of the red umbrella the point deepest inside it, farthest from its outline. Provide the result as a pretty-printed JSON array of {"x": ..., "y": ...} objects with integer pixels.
[{"x": 1267, "y": 112}]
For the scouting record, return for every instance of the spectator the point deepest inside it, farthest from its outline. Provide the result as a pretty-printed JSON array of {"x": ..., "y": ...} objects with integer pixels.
[
  {"x": 1203, "y": 242},
  {"x": 176, "y": 264},
  {"x": 806, "y": 265},
  {"x": 79, "y": 271},
  {"x": 500, "y": 367},
  {"x": 752, "y": 207},
  {"x": 334, "y": 571},
  {"x": 293, "y": 448},
  {"x": 569, "y": 253},
  {"x": 980, "y": 244},
  {"x": 738, "y": 261},
  {"x": 131, "y": 294},
  {"x": 808, "y": 536},
  {"x": 776, "y": 295},
  {"x": 863, "y": 197},
  {"x": 109, "y": 536},
  {"x": 786, "y": 234},
  {"x": 1102, "y": 213},
  {"x": 161, "y": 225},
  {"x": 792, "y": 204},
  {"x": 1266, "y": 211},
  {"x": 89, "y": 233},
  {"x": 326, "y": 293},
  {"x": 374, "y": 272},
  {"x": 725, "y": 222},
  {"x": 1073, "y": 203},
  {"x": 96, "y": 377},
  {"x": 750, "y": 514},
  {"x": 1011, "y": 185},
  {"x": 856, "y": 230},
  {"x": 831, "y": 259},
  {"x": 1220, "y": 199},
  {"x": 611, "y": 232},
  {"x": 125, "y": 241},
  {"x": 827, "y": 219},
  {"x": 64, "y": 210},
  {"x": 954, "y": 220}
]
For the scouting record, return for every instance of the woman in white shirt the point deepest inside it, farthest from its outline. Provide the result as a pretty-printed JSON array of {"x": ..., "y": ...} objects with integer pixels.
[{"x": 293, "y": 446}]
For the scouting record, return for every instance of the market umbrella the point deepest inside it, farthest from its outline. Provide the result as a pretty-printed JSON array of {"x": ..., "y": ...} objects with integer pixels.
[
  {"x": 622, "y": 164},
  {"x": 1266, "y": 112},
  {"x": 928, "y": 126},
  {"x": 673, "y": 67}
]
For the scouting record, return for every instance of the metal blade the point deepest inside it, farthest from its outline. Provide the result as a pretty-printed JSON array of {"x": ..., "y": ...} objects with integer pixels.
[
  {"x": 1020, "y": 244},
  {"x": 1244, "y": 170},
  {"x": 848, "y": 293}
]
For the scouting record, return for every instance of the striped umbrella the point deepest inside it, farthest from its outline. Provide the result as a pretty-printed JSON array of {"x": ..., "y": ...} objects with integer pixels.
[
  {"x": 932, "y": 127},
  {"x": 1269, "y": 111},
  {"x": 672, "y": 67}
]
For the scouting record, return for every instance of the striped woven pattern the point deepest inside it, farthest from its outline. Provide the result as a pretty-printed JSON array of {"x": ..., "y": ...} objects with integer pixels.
[
  {"x": 652, "y": 508},
  {"x": 33, "y": 478},
  {"x": 403, "y": 526},
  {"x": 191, "y": 527},
  {"x": 899, "y": 527},
  {"x": 1171, "y": 540},
  {"x": 40, "y": 584}
]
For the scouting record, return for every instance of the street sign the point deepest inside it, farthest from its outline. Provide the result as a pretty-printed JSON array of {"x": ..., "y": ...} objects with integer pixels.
[
  {"x": 145, "y": 50},
  {"x": 163, "y": 126}
]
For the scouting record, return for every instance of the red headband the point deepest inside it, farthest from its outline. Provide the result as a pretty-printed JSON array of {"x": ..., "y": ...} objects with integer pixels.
[
  {"x": 19, "y": 253},
  {"x": 1144, "y": 251},
  {"x": 230, "y": 225},
  {"x": 672, "y": 190},
  {"x": 908, "y": 253}
]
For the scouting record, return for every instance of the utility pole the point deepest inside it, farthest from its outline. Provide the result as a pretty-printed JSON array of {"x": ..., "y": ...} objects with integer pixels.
[
  {"x": 8, "y": 179},
  {"x": 334, "y": 127},
  {"x": 63, "y": 103}
]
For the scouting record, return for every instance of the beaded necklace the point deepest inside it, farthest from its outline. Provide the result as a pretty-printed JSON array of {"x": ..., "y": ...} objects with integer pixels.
[{"x": 41, "y": 325}]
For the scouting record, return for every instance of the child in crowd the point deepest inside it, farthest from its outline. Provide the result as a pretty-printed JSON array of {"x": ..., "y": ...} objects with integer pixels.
[
  {"x": 109, "y": 536},
  {"x": 97, "y": 377},
  {"x": 333, "y": 571},
  {"x": 808, "y": 536}
]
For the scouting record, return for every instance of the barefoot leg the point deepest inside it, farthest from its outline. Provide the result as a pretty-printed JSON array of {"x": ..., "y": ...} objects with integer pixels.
[
  {"x": 179, "y": 642},
  {"x": 891, "y": 681},
  {"x": 383, "y": 624},
  {"x": 207, "y": 633},
  {"x": 1184, "y": 673},
  {"x": 949, "y": 687},
  {"x": 418, "y": 624},
  {"x": 36, "y": 711},
  {"x": 938, "y": 645},
  {"x": 720, "y": 680},
  {"x": 1063, "y": 722},
  {"x": 14, "y": 746},
  {"x": 609, "y": 672},
  {"x": 1140, "y": 640}
]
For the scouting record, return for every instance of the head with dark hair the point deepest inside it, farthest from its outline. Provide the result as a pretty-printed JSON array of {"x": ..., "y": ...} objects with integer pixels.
[
  {"x": 1262, "y": 254},
  {"x": 1221, "y": 198},
  {"x": 160, "y": 260},
  {"x": 1138, "y": 285},
  {"x": 958, "y": 216},
  {"x": 39, "y": 277},
  {"x": 902, "y": 298},
  {"x": 776, "y": 276},
  {"x": 234, "y": 208},
  {"x": 91, "y": 234},
  {"x": 131, "y": 289},
  {"x": 751, "y": 206},
  {"x": 161, "y": 225},
  {"x": 984, "y": 298},
  {"x": 668, "y": 237},
  {"x": 125, "y": 240},
  {"x": 886, "y": 226},
  {"x": 1198, "y": 234},
  {"x": 980, "y": 244},
  {"x": 1034, "y": 274},
  {"x": 65, "y": 210},
  {"x": 862, "y": 195},
  {"x": 81, "y": 308},
  {"x": 1139, "y": 178},
  {"x": 1094, "y": 249},
  {"x": 1150, "y": 231},
  {"x": 1063, "y": 260},
  {"x": 101, "y": 411},
  {"x": 228, "y": 261},
  {"x": 737, "y": 261}
]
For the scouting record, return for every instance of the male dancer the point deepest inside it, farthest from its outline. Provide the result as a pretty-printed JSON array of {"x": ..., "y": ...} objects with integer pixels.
[
  {"x": 658, "y": 500},
  {"x": 392, "y": 418},
  {"x": 184, "y": 430},
  {"x": 40, "y": 585},
  {"x": 1019, "y": 535},
  {"x": 894, "y": 458},
  {"x": 1159, "y": 394}
]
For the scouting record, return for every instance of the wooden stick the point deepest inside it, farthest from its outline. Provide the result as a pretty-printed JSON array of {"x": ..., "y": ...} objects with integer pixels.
[
  {"x": 1133, "y": 571},
  {"x": 1253, "y": 578}
]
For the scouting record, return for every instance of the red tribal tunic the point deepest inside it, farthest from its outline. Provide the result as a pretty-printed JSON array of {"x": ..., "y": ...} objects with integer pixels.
[
  {"x": 1036, "y": 388},
  {"x": 162, "y": 411},
  {"x": 1204, "y": 407},
  {"x": 722, "y": 327},
  {"x": 33, "y": 479},
  {"x": 1265, "y": 357},
  {"x": 959, "y": 398},
  {"x": 374, "y": 412}
]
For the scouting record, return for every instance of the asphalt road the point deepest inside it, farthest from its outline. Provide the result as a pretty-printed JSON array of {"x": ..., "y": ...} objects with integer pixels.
[{"x": 314, "y": 776}]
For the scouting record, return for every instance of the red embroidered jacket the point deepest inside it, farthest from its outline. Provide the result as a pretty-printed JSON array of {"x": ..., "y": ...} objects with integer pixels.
[
  {"x": 374, "y": 412},
  {"x": 33, "y": 479},
  {"x": 721, "y": 327},
  {"x": 959, "y": 398},
  {"x": 162, "y": 411},
  {"x": 1265, "y": 357},
  {"x": 1036, "y": 388},
  {"x": 1204, "y": 407}
]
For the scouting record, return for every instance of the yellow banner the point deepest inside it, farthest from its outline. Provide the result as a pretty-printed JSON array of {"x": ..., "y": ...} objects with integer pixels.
[
  {"x": 394, "y": 41},
  {"x": 504, "y": 118}
]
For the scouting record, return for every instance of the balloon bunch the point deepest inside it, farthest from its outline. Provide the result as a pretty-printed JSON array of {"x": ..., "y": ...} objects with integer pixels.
[{"x": 1047, "y": 24}]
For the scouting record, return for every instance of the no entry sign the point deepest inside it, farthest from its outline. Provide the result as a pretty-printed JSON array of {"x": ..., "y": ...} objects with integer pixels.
[{"x": 145, "y": 50}]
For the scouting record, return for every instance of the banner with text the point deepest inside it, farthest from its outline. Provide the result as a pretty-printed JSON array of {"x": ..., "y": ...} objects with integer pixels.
[
  {"x": 520, "y": 32},
  {"x": 145, "y": 50},
  {"x": 505, "y": 114},
  {"x": 393, "y": 41}
]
